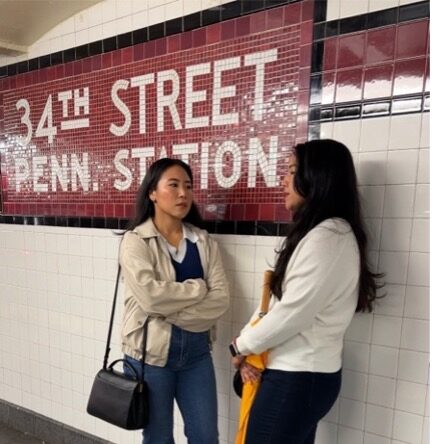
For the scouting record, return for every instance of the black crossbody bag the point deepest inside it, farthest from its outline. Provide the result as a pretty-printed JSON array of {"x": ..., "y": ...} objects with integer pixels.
[{"x": 114, "y": 397}]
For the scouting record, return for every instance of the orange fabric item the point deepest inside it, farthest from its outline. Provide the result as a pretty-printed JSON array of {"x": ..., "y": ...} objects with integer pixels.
[{"x": 259, "y": 361}]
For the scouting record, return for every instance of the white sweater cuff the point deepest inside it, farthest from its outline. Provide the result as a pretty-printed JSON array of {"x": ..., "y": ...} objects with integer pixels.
[{"x": 242, "y": 347}]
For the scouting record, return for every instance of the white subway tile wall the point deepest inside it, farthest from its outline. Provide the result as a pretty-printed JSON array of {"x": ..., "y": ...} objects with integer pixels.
[
  {"x": 109, "y": 18},
  {"x": 392, "y": 349},
  {"x": 56, "y": 284},
  {"x": 346, "y": 8}
]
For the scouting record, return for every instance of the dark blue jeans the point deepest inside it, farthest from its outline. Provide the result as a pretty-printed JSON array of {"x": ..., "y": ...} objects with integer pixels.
[
  {"x": 189, "y": 378},
  {"x": 289, "y": 405}
]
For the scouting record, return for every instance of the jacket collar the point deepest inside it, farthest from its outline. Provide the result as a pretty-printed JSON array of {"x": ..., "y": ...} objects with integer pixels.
[{"x": 147, "y": 229}]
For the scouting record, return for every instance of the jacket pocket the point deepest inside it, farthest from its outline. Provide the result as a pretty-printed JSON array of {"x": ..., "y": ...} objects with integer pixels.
[{"x": 133, "y": 320}]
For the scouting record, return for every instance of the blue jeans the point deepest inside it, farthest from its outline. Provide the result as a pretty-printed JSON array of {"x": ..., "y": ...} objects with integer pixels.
[
  {"x": 189, "y": 378},
  {"x": 289, "y": 405}
]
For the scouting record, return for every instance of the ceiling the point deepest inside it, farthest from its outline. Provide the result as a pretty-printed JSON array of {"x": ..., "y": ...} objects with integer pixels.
[{"x": 23, "y": 22}]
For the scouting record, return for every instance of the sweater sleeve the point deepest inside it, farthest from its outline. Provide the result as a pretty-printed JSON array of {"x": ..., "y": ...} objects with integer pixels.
[
  {"x": 203, "y": 315},
  {"x": 309, "y": 285},
  {"x": 154, "y": 296}
]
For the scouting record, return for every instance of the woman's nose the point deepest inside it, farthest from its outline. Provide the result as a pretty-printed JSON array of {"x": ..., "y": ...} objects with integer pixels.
[{"x": 182, "y": 191}]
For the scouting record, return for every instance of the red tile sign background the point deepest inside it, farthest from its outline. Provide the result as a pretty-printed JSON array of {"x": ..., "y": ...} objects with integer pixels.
[
  {"x": 60, "y": 154},
  {"x": 376, "y": 64}
]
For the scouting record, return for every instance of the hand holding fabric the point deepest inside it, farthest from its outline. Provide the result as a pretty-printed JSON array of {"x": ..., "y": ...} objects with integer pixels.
[{"x": 249, "y": 373}]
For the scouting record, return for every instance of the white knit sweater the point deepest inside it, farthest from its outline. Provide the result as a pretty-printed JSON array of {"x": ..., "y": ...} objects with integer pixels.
[{"x": 304, "y": 330}]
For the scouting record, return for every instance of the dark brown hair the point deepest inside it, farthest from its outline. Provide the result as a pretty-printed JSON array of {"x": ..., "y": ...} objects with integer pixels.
[{"x": 326, "y": 179}]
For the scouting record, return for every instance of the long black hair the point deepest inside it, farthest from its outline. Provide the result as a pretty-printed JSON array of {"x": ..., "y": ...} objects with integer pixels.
[
  {"x": 144, "y": 206},
  {"x": 326, "y": 179}
]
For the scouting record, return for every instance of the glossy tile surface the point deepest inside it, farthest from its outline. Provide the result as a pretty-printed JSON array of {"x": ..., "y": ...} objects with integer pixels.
[{"x": 227, "y": 98}]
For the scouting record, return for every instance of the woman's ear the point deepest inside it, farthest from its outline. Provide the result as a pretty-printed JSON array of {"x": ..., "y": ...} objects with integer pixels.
[{"x": 152, "y": 196}]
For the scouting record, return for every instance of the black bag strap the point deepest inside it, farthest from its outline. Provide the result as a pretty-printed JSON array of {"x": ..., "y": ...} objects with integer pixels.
[{"x": 108, "y": 349}]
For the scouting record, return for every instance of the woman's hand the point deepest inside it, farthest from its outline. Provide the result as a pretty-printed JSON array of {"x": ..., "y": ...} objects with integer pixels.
[
  {"x": 249, "y": 372},
  {"x": 237, "y": 361}
]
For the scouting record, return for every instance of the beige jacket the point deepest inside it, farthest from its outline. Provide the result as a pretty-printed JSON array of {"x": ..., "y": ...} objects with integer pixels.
[{"x": 151, "y": 290}]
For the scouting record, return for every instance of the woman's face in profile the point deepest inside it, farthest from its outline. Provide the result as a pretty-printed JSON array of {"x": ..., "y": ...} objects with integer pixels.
[
  {"x": 173, "y": 194},
  {"x": 293, "y": 200}
]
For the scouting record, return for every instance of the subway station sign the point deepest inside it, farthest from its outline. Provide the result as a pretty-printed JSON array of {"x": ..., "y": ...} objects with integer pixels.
[{"x": 82, "y": 137}]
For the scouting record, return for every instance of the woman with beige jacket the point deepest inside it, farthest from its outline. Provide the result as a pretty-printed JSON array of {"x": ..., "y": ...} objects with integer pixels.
[{"x": 173, "y": 278}]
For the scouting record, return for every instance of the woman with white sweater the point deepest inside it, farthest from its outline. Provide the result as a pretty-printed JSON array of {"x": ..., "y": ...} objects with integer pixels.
[{"x": 321, "y": 278}]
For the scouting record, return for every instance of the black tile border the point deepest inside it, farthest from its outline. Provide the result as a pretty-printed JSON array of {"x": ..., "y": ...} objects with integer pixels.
[
  {"x": 227, "y": 11},
  {"x": 173, "y": 26},
  {"x": 22, "y": 67},
  {"x": 252, "y": 228},
  {"x": 56, "y": 58},
  {"x": 320, "y": 11},
  {"x": 140, "y": 36},
  {"x": 363, "y": 22},
  {"x": 109, "y": 44},
  {"x": 382, "y": 18},
  {"x": 81, "y": 52},
  {"x": 317, "y": 56},
  {"x": 252, "y": 6},
  {"x": 414, "y": 11},
  {"x": 395, "y": 105},
  {"x": 42, "y": 427},
  {"x": 156, "y": 31},
  {"x": 124, "y": 40},
  {"x": 95, "y": 48},
  {"x": 231, "y": 10}
]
